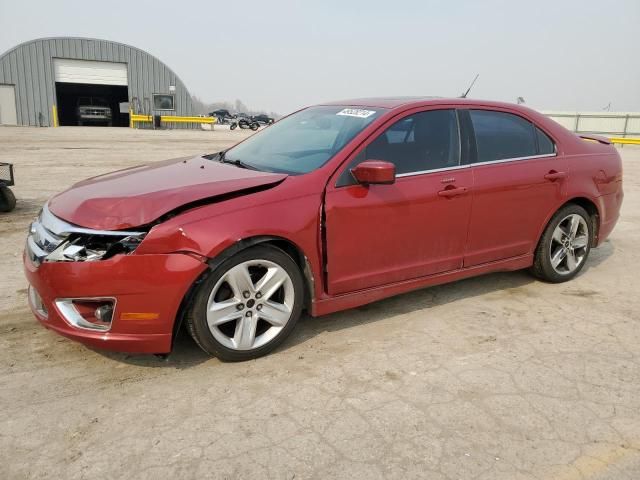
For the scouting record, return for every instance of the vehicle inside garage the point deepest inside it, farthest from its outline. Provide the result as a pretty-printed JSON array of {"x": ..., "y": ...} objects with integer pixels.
[
  {"x": 90, "y": 92},
  {"x": 72, "y": 96}
]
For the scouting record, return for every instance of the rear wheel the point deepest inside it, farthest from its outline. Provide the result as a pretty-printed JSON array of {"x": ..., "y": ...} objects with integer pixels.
[
  {"x": 248, "y": 305},
  {"x": 255, "y": 126},
  {"x": 565, "y": 245}
]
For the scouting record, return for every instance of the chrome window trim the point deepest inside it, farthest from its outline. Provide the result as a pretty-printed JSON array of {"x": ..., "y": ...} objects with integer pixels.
[
  {"x": 515, "y": 159},
  {"x": 434, "y": 170},
  {"x": 469, "y": 165},
  {"x": 70, "y": 315}
]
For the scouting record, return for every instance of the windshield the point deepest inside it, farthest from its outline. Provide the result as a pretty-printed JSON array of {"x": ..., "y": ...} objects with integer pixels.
[{"x": 303, "y": 141}]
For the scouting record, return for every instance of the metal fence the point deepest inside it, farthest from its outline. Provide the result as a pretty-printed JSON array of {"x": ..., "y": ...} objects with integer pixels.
[{"x": 610, "y": 124}]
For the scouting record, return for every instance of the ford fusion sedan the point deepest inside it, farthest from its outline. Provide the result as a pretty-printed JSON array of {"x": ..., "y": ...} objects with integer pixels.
[{"x": 332, "y": 207}]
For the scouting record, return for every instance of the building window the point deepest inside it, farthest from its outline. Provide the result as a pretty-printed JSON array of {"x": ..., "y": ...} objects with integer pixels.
[{"x": 164, "y": 101}]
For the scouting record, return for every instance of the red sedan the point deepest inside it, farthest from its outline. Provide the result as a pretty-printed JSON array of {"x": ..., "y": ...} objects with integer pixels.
[{"x": 332, "y": 207}]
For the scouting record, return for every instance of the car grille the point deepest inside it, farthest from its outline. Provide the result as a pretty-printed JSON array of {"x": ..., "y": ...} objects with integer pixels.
[
  {"x": 94, "y": 111},
  {"x": 45, "y": 236},
  {"x": 48, "y": 232}
]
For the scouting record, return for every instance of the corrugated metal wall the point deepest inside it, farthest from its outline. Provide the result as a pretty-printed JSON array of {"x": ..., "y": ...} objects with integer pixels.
[{"x": 29, "y": 67}]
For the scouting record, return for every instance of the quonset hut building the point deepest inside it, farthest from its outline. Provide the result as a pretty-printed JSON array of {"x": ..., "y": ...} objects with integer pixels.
[{"x": 46, "y": 79}]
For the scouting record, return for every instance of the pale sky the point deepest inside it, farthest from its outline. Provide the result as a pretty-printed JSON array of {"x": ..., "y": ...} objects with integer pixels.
[{"x": 280, "y": 55}]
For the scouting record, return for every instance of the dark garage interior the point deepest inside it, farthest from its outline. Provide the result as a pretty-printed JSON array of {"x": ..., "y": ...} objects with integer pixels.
[{"x": 68, "y": 94}]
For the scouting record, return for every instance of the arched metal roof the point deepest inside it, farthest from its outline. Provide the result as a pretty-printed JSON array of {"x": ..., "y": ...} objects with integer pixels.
[{"x": 29, "y": 67}]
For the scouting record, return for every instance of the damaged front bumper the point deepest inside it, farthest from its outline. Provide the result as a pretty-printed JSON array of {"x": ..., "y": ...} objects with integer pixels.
[
  {"x": 147, "y": 291},
  {"x": 105, "y": 298}
]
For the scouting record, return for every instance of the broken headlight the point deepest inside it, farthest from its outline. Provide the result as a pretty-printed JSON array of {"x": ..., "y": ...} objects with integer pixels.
[{"x": 88, "y": 248}]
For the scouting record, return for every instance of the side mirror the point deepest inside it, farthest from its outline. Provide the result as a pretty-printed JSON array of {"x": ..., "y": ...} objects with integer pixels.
[{"x": 374, "y": 172}]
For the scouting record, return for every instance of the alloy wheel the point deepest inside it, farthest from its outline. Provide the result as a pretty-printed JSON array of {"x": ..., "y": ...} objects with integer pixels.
[
  {"x": 250, "y": 304},
  {"x": 569, "y": 244}
]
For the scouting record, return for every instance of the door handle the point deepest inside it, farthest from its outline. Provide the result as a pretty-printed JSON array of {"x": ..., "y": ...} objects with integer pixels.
[
  {"x": 452, "y": 192},
  {"x": 553, "y": 175}
]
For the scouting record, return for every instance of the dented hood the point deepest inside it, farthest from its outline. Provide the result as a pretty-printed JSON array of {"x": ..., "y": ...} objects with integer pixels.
[{"x": 139, "y": 195}]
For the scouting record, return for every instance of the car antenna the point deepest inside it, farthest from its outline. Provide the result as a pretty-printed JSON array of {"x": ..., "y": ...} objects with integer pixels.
[{"x": 464, "y": 95}]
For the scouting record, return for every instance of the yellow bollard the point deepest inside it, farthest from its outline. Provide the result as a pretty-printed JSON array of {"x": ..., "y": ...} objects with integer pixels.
[{"x": 54, "y": 113}]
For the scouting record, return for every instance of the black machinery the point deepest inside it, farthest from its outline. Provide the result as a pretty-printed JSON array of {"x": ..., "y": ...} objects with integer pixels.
[{"x": 7, "y": 198}]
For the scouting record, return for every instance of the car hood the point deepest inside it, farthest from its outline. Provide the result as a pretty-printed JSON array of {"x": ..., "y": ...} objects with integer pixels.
[{"x": 140, "y": 195}]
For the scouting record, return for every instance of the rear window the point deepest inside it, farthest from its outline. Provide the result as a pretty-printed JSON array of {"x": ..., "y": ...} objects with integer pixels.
[
  {"x": 545, "y": 144},
  {"x": 501, "y": 136}
]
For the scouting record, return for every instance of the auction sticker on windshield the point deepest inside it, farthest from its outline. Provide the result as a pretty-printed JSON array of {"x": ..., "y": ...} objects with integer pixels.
[{"x": 356, "y": 112}]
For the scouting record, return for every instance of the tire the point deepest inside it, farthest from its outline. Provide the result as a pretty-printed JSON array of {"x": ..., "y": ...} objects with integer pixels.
[
  {"x": 7, "y": 199},
  {"x": 81, "y": 124},
  {"x": 233, "y": 126},
  {"x": 255, "y": 126},
  {"x": 565, "y": 245},
  {"x": 248, "y": 323}
]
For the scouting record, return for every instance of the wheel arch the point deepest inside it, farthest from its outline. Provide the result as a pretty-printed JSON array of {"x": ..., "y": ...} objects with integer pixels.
[
  {"x": 284, "y": 244},
  {"x": 592, "y": 209},
  {"x": 588, "y": 204},
  {"x": 287, "y": 246}
]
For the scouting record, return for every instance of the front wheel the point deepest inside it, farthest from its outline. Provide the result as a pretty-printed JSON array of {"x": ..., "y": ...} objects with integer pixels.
[
  {"x": 248, "y": 305},
  {"x": 565, "y": 245},
  {"x": 233, "y": 126},
  {"x": 255, "y": 126}
]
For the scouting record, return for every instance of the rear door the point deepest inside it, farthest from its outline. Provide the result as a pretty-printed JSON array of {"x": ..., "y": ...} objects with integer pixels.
[
  {"x": 381, "y": 234},
  {"x": 518, "y": 181}
]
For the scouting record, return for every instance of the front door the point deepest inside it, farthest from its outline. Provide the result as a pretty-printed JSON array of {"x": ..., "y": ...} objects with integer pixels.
[{"x": 382, "y": 234}]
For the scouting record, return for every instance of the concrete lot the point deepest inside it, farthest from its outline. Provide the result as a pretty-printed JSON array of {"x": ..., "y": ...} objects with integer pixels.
[{"x": 498, "y": 377}]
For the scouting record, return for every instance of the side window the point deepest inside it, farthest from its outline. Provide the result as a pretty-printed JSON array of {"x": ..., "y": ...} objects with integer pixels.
[
  {"x": 545, "y": 144},
  {"x": 422, "y": 141},
  {"x": 400, "y": 132},
  {"x": 500, "y": 136}
]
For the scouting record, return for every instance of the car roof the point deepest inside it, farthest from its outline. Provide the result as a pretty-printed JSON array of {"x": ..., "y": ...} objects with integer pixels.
[{"x": 398, "y": 102}]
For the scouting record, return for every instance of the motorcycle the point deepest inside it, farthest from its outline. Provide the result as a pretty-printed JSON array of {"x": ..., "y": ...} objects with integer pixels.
[{"x": 244, "y": 122}]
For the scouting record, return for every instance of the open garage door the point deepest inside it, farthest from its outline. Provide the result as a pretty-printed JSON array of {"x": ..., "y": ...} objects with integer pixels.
[
  {"x": 91, "y": 93},
  {"x": 88, "y": 72}
]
